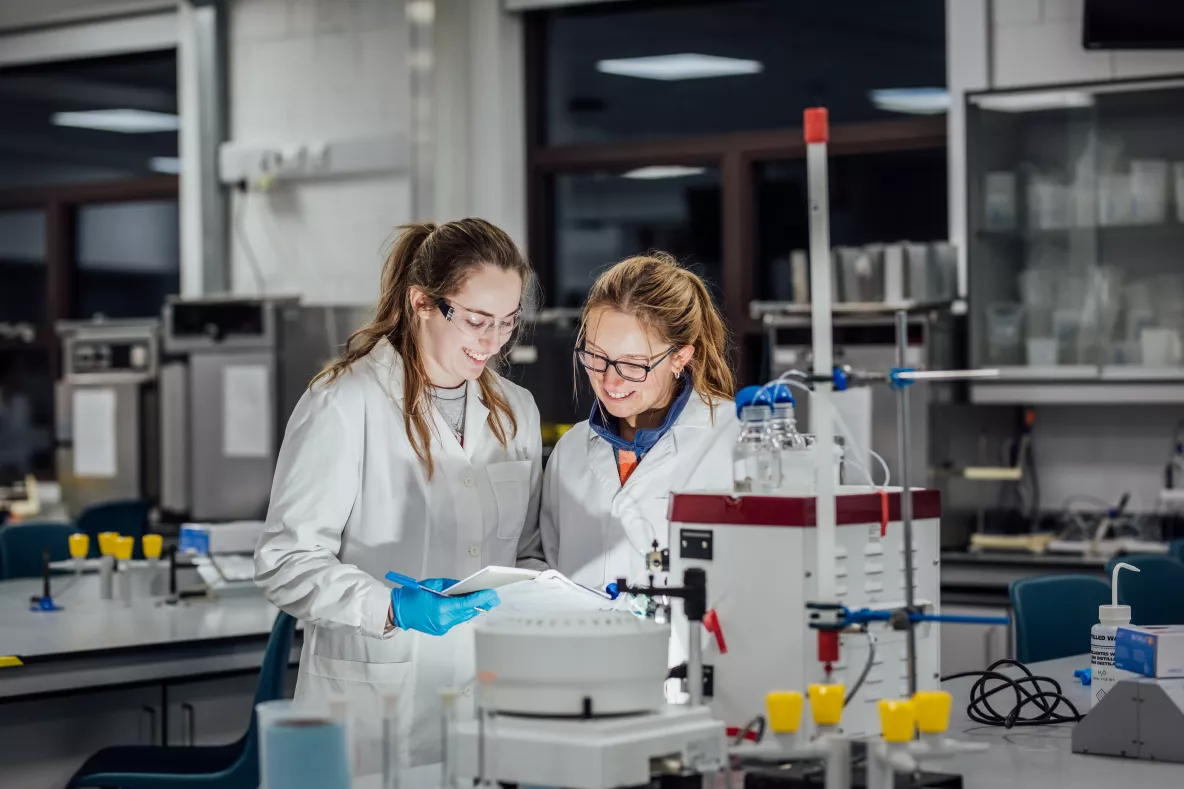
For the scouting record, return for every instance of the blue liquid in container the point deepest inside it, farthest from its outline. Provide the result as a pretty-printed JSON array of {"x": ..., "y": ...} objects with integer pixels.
[{"x": 305, "y": 754}]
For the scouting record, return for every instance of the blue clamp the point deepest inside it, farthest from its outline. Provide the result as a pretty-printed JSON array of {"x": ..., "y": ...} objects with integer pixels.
[
  {"x": 611, "y": 589},
  {"x": 896, "y": 381},
  {"x": 1085, "y": 675},
  {"x": 45, "y": 603},
  {"x": 839, "y": 379}
]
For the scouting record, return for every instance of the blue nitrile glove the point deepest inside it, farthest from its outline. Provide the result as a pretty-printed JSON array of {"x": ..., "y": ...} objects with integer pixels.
[{"x": 418, "y": 609}]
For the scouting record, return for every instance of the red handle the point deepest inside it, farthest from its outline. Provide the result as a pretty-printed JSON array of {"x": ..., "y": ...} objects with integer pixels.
[
  {"x": 884, "y": 513},
  {"x": 711, "y": 622}
]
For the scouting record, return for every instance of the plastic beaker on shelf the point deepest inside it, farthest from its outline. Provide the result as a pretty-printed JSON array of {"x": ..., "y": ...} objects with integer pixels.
[{"x": 1005, "y": 323}]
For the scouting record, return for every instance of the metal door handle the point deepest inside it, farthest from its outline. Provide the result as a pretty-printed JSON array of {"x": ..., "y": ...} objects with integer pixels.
[
  {"x": 151, "y": 713},
  {"x": 188, "y": 724}
]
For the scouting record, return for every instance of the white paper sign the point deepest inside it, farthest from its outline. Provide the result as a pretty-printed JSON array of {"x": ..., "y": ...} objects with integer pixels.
[
  {"x": 246, "y": 412},
  {"x": 94, "y": 433}
]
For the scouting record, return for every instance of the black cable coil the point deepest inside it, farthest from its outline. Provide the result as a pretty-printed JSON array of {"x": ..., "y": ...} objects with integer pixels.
[{"x": 1046, "y": 702}]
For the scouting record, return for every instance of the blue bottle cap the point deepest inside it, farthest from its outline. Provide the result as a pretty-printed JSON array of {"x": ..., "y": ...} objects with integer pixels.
[{"x": 745, "y": 397}]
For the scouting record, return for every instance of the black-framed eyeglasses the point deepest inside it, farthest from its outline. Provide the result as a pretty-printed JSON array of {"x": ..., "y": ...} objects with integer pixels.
[
  {"x": 477, "y": 324},
  {"x": 630, "y": 371}
]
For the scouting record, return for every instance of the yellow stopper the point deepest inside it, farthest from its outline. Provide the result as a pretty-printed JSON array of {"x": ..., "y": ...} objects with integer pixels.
[
  {"x": 107, "y": 542},
  {"x": 152, "y": 544},
  {"x": 785, "y": 711},
  {"x": 933, "y": 710},
  {"x": 826, "y": 704},
  {"x": 79, "y": 545},
  {"x": 124, "y": 547},
  {"x": 898, "y": 718}
]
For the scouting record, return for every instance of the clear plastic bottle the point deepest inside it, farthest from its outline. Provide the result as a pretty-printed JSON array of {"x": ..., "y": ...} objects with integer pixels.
[
  {"x": 1103, "y": 675},
  {"x": 795, "y": 459},
  {"x": 754, "y": 463}
]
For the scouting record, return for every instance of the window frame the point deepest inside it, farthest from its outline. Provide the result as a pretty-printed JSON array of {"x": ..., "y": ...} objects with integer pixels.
[
  {"x": 735, "y": 154},
  {"x": 60, "y": 204}
]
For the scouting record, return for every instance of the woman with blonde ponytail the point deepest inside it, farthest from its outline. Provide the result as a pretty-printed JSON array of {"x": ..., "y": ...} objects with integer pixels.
[
  {"x": 407, "y": 456},
  {"x": 654, "y": 349}
]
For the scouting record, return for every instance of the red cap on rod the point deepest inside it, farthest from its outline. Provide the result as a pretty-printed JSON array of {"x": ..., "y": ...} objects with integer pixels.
[{"x": 817, "y": 128}]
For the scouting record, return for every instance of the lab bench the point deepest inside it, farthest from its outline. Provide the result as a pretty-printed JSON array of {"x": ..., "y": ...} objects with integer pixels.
[
  {"x": 97, "y": 673},
  {"x": 1031, "y": 757}
]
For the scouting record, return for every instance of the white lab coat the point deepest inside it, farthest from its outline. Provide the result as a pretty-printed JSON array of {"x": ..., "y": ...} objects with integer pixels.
[
  {"x": 350, "y": 502},
  {"x": 594, "y": 529}
]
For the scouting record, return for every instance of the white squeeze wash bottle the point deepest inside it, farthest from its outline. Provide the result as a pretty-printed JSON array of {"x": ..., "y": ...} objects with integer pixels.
[{"x": 1103, "y": 675}]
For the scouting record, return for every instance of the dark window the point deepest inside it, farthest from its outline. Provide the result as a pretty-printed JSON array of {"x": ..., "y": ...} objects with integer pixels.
[
  {"x": 601, "y": 218},
  {"x": 22, "y": 266},
  {"x": 128, "y": 258},
  {"x": 89, "y": 120},
  {"x": 630, "y": 71},
  {"x": 876, "y": 197}
]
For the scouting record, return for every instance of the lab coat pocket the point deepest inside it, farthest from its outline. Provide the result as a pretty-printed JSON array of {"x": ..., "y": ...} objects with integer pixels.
[
  {"x": 511, "y": 488},
  {"x": 357, "y": 671}
]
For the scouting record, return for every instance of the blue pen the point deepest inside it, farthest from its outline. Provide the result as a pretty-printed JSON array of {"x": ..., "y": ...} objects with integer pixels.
[{"x": 411, "y": 583}]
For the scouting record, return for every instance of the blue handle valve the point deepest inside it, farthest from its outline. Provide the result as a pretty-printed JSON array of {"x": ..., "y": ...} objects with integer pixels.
[{"x": 896, "y": 381}]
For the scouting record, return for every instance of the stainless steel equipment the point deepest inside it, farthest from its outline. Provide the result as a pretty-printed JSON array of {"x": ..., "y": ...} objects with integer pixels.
[
  {"x": 232, "y": 371},
  {"x": 865, "y": 339},
  {"x": 107, "y": 414}
]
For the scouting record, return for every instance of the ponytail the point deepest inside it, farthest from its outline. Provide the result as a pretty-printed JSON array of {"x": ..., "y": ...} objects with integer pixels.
[{"x": 710, "y": 375}]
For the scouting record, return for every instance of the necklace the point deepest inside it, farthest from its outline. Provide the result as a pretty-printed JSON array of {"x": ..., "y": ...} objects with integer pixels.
[{"x": 451, "y": 405}]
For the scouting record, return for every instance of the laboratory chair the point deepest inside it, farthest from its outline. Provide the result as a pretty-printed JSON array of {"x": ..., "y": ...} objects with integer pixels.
[
  {"x": 234, "y": 766},
  {"x": 1176, "y": 550},
  {"x": 1155, "y": 593},
  {"x": 1052, "y": 614},
  {"x": 22, "y": 546},
  {"x": 127, "y": 517}
]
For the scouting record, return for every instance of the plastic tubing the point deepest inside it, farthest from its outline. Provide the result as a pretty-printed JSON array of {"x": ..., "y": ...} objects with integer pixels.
[{"x": 846, "y": 431}]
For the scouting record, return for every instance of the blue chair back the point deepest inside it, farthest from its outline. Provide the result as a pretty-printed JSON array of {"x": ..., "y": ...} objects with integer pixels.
[
  {"x": 1155, "y": 593},
  {"x": 242, "y": 772},
  {"x": 1176, "y": 550},
  {"x": 272, "y": 676},
  {"x": 21, "y": 546},
  {"x": 1053, "y": 614},
  {"x": 128, "y": 517}
]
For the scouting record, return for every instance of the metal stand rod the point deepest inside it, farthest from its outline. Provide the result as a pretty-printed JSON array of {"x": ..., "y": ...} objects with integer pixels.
[
  {"x": 904, "y": 430},
  {"x": 695, "y": 663}
]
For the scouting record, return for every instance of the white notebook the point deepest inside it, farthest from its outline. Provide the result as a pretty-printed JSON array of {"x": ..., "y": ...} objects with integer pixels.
[{"x": 491, "y": 577}]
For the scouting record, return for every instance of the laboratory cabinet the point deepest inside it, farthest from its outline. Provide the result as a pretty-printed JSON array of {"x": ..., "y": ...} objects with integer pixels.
[
  {"x": 1075, "y": 200},
  {"x": 214, "y": 711},
  {"x": 45, "y": 738}
]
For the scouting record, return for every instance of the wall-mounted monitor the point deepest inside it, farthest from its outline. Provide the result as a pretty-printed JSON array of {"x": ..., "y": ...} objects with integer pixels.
[{"x": 1133, "y": 24}]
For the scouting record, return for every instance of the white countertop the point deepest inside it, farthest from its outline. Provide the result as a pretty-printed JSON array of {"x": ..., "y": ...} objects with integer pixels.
[{"x": 88, "y": 624}]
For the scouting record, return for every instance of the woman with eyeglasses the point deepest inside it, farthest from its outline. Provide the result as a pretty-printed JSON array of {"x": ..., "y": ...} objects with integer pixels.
[
  {"x": 410, "y": 455},
  {"x": 654, "y": 349}
]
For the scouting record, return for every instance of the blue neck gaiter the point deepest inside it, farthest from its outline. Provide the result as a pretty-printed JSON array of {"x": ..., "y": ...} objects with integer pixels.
[{"x": 606, "y": 425}]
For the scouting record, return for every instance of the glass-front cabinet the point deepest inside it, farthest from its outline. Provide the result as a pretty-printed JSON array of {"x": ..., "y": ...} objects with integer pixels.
[{"x": 1076, "y": 231}]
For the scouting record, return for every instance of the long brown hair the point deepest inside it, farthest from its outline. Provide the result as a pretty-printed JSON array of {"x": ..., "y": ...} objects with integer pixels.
[
  {"x": 675, "y": 304},
  {"x": 437, "y": 259}
]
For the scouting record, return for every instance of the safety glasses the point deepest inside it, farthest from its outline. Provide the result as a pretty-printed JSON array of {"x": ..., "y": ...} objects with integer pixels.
[
  {"x": 477, "y": 324},
  {"x": 630, "y": 371}
]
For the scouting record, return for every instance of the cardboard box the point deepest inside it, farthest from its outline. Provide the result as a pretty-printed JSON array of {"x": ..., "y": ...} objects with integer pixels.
[{"x": 1153, "y": 651}]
